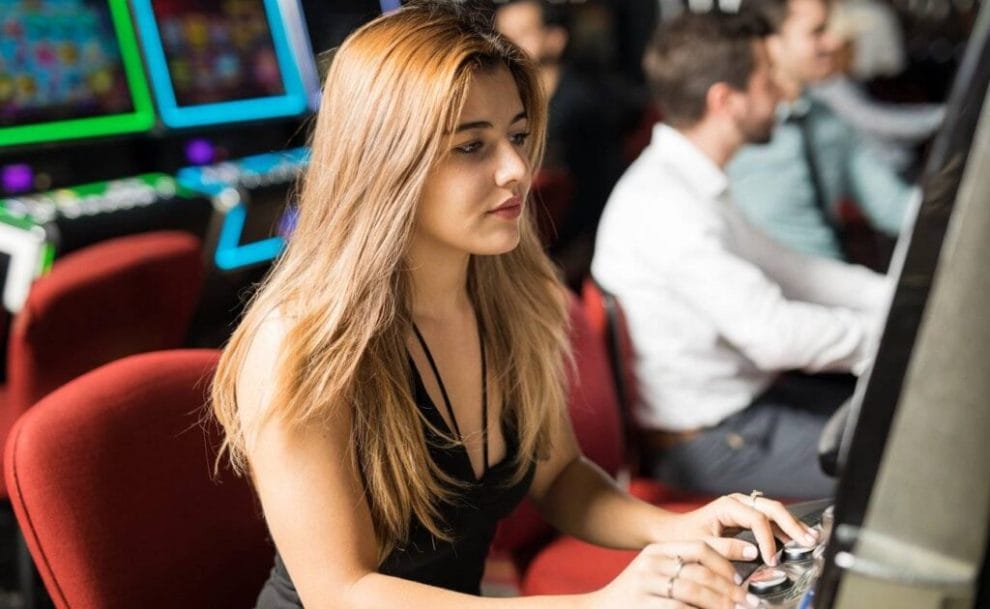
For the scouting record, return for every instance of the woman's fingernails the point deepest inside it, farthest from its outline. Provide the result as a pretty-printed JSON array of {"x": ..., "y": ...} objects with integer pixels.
[
  {"x": 810, "y": 540},
  {"x": 752, "y": 601},
  {"x": 750, "y": 552},
  {"x": 737, "y": 578}
]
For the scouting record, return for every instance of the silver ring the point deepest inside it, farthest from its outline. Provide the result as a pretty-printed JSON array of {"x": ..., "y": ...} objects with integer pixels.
[
  {"x": 670, "y": 587},
  {"x": 679, "y": 566},
  {"x": 753, "y": 497}
]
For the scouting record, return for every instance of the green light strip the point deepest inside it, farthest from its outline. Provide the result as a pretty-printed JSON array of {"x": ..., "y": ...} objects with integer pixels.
[{"x": 141, "y": 119}]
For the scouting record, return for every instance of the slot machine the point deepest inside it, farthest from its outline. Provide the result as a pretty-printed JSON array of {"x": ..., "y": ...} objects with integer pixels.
[
  {"x": 216, "y": 64},
  {"x": 909, "y": 526},
  {"x": 70, "y": 71}
]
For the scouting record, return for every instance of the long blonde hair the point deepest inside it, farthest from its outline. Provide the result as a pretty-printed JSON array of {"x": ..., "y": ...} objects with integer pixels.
[{"x": 392, "y": 97}]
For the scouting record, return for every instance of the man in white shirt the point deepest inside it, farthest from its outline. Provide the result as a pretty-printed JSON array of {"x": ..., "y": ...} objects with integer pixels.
[{"x": 717, "y": 310}]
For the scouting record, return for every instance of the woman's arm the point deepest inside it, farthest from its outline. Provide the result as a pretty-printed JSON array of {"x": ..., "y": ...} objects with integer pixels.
[
  {"x": 580, "y": 499},
  {"x": 315, "y": 509}
]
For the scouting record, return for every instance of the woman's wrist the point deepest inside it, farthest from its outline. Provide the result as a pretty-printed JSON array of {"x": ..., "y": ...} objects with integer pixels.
[{"x": 664, "y": 526}]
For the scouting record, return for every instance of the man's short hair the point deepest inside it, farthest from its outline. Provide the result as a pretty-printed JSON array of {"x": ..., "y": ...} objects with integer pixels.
[
  {"x": 552, "y": 13},
  {"x": 774, "y": 12},
  {"x": 692, "y": 52}
]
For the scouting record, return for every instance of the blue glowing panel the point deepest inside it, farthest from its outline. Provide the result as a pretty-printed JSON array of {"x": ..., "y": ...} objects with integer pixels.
[
  {"x": 219, "y": 61},
  {"x": 302, "y": 49},
  {"x": 251, "y": 199}
]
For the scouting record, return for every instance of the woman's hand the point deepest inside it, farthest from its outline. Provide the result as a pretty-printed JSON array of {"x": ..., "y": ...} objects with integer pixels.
[
  {"x": 727, "y": 515},
  {"x": 674, "y": 575}
]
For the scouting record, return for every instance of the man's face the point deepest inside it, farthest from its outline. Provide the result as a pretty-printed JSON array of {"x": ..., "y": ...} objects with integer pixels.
[
  {"x": 522, "y": 23},
  {"x": 802, "y": 51},
  {"x": 755, "y": 108}
]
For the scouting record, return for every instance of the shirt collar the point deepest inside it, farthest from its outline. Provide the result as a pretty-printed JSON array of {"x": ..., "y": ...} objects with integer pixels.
[
  {"x": 681, "y": 153},
  {"x": 797, "y": 109}
]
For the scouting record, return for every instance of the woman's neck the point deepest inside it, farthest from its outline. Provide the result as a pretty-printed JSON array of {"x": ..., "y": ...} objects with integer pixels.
[{"x": 439, "y": 284}]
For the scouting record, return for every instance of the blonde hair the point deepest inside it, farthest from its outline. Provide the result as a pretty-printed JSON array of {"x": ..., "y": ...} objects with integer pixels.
[{"x": 392, "y": 98}]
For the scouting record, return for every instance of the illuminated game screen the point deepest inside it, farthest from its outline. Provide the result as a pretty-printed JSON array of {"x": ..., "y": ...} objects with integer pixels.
[
  {"x": 219, "y": 61},
  {"x": 266, "y": 216},
  {"x": 218, "y": 50},
  {"x": 68, "y": 68}
]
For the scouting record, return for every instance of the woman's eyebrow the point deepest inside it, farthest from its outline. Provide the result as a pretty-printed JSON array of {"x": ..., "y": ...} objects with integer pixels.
[{"x": 486, "y": 124}]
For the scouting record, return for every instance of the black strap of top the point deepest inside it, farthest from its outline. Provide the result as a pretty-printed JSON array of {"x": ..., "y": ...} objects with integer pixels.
[{"x": 446, "y": 398}]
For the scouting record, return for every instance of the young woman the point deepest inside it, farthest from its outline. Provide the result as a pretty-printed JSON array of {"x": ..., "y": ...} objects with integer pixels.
[{"x": 397, "y": 384}]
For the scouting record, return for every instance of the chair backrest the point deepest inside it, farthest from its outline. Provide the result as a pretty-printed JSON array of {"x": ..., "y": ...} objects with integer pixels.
[
  {"x": 111, "y": 480},
  {"x": 112, "y": 299},
  {"x": 115, "y": 298},
  {"x": 594, "y": 413},
  {"x": 609, "y": 323}
]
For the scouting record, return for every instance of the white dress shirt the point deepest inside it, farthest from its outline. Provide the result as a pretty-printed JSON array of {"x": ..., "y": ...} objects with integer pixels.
[{"x": 715, "y": 308}]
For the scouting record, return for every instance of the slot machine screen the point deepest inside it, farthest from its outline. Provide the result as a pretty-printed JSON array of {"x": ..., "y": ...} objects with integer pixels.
[
  {"x": 69, "y": 69},
  {"x": 267, "y": 209},
  {"x": 219, "y": 61},
  {"x": 915, "y": 265}
]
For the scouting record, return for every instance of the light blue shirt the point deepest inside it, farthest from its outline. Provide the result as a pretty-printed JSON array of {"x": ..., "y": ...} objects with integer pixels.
[{"x": 773, "y": 186}]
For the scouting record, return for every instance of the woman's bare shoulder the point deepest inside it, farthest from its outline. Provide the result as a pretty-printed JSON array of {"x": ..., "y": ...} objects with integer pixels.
[{"x": 260, "y": 369}]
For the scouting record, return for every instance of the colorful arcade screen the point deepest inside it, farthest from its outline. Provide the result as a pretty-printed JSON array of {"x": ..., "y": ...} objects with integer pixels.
[
  {"x": 69, "y": 69},
  {"x": 219, "y": 61}
]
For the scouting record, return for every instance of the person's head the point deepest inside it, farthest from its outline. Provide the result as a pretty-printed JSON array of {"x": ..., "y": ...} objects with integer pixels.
[
  {"x": 843, "y": 29},
  {"x": 801, "y": 47},
  {"x": 538, "y": 29},
  {"x": 713, "y": 68},
  {"x": 391, "y": 169}
]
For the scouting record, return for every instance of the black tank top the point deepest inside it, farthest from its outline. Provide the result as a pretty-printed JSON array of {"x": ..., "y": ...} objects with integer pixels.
[{"x": 456, "y": 565}]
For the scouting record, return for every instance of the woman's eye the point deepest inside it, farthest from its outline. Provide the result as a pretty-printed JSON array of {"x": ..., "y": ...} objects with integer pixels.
[
  {"x": 520, "y": 138},
  {"x": 468, "y": 148}
]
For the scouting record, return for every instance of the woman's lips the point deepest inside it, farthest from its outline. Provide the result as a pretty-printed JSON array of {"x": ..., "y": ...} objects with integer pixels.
[{"x": 509, "y": 210}]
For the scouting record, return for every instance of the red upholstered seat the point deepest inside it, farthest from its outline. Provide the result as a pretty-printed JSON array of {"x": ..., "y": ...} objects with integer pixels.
[
  {"x": 564, "y": 564},
  {"x": 109, "y": 300},
  {"x": 111, "y": 479},
  {"x": 595, "y": 417},
  {"x": 608, "y": 322}
]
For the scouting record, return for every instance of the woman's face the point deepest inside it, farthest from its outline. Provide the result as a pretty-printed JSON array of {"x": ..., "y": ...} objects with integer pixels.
[{"x": 473, "y": 198}]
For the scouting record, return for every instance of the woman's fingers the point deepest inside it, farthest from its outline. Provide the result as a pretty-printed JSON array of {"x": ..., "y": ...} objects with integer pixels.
[
  {"x": 700, "y": 552},
  {"x": 697, "y": 587},
  {"x": 689, "y": 574},
  {"x": 791, "y": 526},
  {"x": 768, "y": 519},
  {"x": 741, "y": 513},
  {"x": 734, "y": 549},
  {"x": 776, "y": 512}
]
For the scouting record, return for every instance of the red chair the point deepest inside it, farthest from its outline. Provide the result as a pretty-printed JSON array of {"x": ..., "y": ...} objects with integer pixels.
[
  {"x": 112, "y": 483},
  {"x": 98, "y": 304},
  {"x": 636, "y": 141},
  {"x": 565, "y": 565},
  {"x": 608, "y": 322}
]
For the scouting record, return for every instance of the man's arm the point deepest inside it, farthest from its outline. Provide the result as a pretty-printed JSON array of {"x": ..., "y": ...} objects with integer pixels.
[{"x": 878, "y": 190}]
